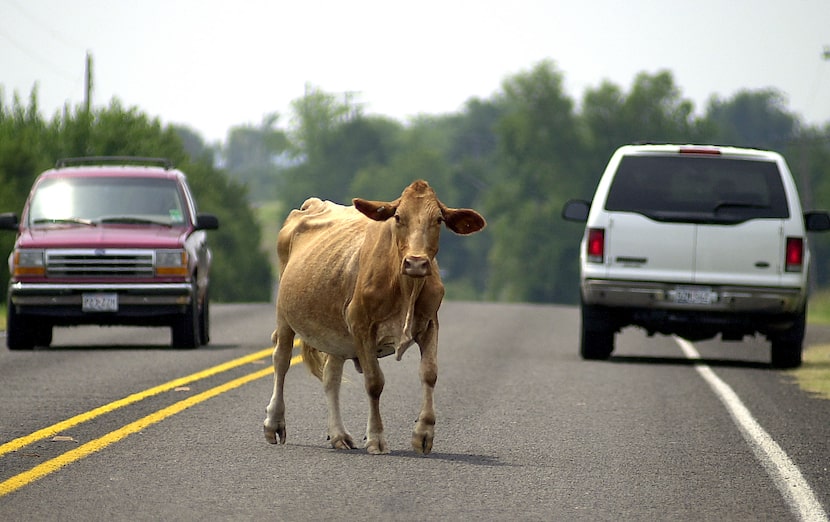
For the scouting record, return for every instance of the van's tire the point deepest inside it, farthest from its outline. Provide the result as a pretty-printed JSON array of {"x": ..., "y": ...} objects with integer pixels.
[
  {"x": 597, "y": 333},
  {"x": 786, "y": 347}
]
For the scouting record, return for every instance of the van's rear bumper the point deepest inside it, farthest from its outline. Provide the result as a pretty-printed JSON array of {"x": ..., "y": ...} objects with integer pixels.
[{"x": 664, "y": 296}]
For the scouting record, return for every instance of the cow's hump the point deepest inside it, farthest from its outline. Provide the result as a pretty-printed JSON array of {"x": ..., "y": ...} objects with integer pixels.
[{"x": 316, "y": 219}]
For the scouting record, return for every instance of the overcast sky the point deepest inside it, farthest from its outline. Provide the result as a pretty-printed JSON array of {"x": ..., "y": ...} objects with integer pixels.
[{"x": 214, "y": 64}]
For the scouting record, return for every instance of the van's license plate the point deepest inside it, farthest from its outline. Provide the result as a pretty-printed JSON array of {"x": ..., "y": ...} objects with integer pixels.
[
  {"x": 697, "y": 295},
  {"x": 99, "y": 302}
]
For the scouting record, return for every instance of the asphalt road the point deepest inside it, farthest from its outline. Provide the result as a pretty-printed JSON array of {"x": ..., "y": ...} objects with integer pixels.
[{"x": 526, "y": 429}]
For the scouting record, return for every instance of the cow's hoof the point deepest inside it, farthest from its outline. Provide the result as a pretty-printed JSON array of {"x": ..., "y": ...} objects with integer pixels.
[
  {"x": 342, "y": 442},
  {"x": 272, "y": 436},
  {"x": 377, "y": 447},
  {"x": 422, "y": 442}
]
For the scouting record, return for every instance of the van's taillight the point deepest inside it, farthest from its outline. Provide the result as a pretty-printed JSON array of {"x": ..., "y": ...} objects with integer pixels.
[
  {"x": 794, "y": 260},
  {"x": 596, "y": 245}
]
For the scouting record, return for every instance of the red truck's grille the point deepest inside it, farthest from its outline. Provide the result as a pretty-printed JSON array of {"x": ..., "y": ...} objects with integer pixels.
[{"x": 98, "y": 263}]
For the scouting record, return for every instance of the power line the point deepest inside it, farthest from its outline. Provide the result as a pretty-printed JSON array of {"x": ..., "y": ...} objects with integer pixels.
[
  {"x": 57, "y": 36},
  {"x": 45, "y": 26},
  {"x": 39, "y": 58}
]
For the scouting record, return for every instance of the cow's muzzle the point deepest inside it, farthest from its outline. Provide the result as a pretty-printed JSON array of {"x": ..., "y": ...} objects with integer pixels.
[{"x": 416, "y": 266}]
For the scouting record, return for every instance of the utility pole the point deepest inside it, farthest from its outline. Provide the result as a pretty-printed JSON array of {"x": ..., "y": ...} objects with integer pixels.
[{"x": 88, "y": 84}]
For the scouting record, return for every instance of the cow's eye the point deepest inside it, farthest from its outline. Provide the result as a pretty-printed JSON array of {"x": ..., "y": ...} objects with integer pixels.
[
  {"x": 439, "y": 220},
  {"x": 397, "y": 219}
]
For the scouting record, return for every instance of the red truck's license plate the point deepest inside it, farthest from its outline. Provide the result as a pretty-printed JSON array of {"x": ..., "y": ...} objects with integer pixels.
[{"x": 100, "y": 303}]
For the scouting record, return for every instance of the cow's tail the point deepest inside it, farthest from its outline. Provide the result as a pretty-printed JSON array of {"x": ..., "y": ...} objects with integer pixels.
[{"x": 313, "y": 358}]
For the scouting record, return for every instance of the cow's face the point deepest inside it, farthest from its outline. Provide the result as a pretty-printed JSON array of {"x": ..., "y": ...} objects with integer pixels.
[{"x": 418, "y": 215}]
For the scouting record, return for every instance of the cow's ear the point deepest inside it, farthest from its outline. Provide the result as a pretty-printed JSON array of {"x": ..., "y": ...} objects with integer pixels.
[
  {"x": 463, "y": 220},
  {"x": 377, "y": 210}
]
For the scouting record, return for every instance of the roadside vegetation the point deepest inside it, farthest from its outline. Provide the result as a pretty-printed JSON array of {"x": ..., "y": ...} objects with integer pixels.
[
  {"x": 515, "y": 156},
  {"x": 818, "y": 310},
  {"x": 269, "y": 216},
  {"x": 29, "y": 144},
  {"x": 814, "y": 374}
]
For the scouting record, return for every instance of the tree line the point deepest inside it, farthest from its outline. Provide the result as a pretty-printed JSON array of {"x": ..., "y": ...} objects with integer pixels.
[
  {"x": 30, "y": 144},
  {"x": 516, "y": 157}
]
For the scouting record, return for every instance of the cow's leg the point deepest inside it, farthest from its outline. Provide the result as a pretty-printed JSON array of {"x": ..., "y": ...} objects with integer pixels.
[
  {"x": 374, "y": 381},
  {"x": 332, "y": 375},
  {"x": 274, "y": 425},
  {"x": 424, "y": 432}
]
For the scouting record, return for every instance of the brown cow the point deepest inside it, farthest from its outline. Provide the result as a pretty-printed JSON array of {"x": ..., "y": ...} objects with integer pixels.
[{"x": 357, "y": 288}]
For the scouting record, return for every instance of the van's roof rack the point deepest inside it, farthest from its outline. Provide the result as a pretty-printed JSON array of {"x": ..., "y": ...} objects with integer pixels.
[{"x": 132, "y": 160}]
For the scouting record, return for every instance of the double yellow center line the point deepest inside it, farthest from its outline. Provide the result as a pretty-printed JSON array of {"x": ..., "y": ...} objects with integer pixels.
[{"x": 45, "y": 468}]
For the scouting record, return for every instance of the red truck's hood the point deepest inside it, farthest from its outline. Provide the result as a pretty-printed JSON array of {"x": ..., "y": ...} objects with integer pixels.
[{"x": 103, "y": 236}]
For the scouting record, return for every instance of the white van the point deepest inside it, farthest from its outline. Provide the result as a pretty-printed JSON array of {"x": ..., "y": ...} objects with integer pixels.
[{"x": 695, "y": 241}]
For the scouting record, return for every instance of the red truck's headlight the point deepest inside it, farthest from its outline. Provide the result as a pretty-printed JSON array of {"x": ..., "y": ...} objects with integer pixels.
[
  {"x": 171, "y": 263},
  {"x": 28, "y": 262}
]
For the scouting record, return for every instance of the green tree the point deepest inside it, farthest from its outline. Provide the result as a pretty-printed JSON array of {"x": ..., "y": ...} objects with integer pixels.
[
  {"x": 655, "y": 111},
  {"x": 603, "y": 117},
  {"x": 193, "y": 143},
  {"x": 357, "y": 144},
  {"x": 21, "y": 156},
  {"x": 540, "y": 155},
  {"x": 241, "y": 271},
  {"x": 256, "y": 157},
  {"x": 472, "y": 151},
  {"x": 752, "y": 119},
  {"x": 317, "y": 115},
  {"x": 809, "y": 156},
  {"x": 29, "y": 145},
  {"x": 652, "y": 111}
]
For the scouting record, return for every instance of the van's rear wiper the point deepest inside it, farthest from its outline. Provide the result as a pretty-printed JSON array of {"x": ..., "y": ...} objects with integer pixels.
[{"x": 737, "y": 204}]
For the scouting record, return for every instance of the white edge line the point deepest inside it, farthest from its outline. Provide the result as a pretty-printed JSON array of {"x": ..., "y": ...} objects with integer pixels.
[{"x": 784, "y": 473}]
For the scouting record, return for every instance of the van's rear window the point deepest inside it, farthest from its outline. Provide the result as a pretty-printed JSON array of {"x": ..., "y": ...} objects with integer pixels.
[{"x": 702, "y": 187}]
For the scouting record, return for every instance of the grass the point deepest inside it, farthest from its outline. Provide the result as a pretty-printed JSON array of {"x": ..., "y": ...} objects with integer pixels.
[
  {"x": 818, "y": 311},
  {"x": 814, "y": 374}
]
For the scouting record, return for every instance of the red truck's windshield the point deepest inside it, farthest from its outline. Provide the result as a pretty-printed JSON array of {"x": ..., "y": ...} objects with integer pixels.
[{"x": 92, "y": 201}]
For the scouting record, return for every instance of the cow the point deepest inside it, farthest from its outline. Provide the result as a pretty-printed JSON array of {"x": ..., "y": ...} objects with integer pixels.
[{"x": 360, "y": 283}]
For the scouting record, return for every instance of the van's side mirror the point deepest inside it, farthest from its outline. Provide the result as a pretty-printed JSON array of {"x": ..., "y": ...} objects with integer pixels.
[
  {"x": 816, "y": 221},
  {"x": 576, "y": 210},
  {"x": 8, "y": 221}
]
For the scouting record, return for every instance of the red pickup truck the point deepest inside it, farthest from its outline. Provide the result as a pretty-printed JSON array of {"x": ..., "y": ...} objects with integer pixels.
[{"x": 109, "y": 241}]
